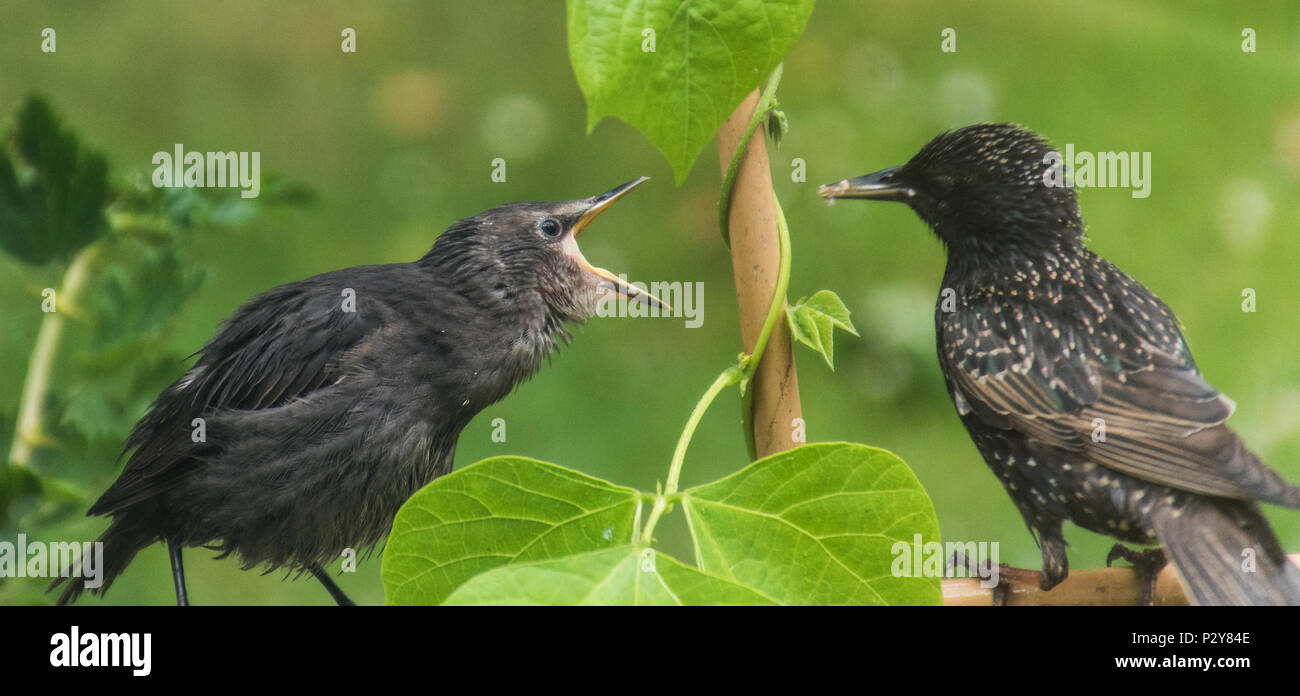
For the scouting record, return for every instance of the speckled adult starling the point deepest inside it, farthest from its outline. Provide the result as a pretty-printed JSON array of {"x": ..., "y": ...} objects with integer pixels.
[
  {"x": 1074, "y": 380},
  {"x": 326, "y": 403}
]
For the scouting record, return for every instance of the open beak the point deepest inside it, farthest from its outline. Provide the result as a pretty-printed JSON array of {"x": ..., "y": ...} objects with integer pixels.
[
  {"x": 879, "y": 186},
  {"x": 608, "y": 281}
]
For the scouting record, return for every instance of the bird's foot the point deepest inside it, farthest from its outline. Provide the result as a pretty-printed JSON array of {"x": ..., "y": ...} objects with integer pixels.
[
  {"x": 1009, "y": 576},
  {"x": 974, "y": 569},
  {"x": 1147, "y": 564},
  {"x": 984, "y": 572}
]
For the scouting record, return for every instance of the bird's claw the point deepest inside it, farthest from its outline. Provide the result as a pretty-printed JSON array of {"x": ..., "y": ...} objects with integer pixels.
[
  {"x": 1001, "y": 591},
  {"x": 1147, "y": 564}
]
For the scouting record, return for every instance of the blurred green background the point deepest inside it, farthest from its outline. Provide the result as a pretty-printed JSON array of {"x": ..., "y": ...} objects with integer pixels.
[{"x": 397, "y": 139}]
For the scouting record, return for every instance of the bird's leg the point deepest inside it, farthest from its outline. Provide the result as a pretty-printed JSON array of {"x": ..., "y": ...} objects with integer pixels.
[
  {"x": 178, "y": 574},
  {"x": 975, "y": 570},
  {"x": 1007, "y": 576},
  {"x": 959, "y": 559},
  {"x": 1056, "y": 563},
  {"x": 333, "y": 589},
  {"x": 1056, "y": 567},
  {"x": 1001, "y": 592},
  {"x": 1147, "y": 564}
]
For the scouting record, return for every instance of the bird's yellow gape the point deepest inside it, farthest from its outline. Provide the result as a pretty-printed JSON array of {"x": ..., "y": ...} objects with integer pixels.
[{"x": 610, "y": 285}]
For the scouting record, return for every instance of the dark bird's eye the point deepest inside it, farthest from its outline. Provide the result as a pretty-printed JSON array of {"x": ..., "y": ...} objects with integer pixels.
[{"x": 549, "y": 228}]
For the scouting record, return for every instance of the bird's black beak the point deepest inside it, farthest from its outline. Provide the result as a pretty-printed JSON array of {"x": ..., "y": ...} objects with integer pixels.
[
  {"x": 883, "y": 185},
  {"x": 608, "y": 281},
  {"x": 601, "y": 203}
]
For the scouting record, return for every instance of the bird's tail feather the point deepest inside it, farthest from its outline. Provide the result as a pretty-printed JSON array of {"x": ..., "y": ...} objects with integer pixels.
[
  {"x": 120, "y": 542},
  {"x": 1227, "y": 554}
]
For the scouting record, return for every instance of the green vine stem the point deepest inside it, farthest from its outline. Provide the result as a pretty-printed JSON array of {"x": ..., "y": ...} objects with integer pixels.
[
  {"x": 29, "y": 433},
  {"x": 750, "y": 362},
  {"x": 739, "y": 373},
  {"x": 766, "y": 102},
  {"x": 729, "y": 376},
  {"x": 743, "y": 370}
]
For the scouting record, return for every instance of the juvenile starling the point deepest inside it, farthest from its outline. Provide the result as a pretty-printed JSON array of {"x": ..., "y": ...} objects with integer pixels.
[
  {"x": 320, "y": 406},
  {"x": 1074, "y": 380}
]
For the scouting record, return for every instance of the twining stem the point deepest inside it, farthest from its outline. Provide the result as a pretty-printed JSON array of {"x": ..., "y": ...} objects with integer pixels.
[
  {"x": 28, "y": 431},
  {"x": 729, "y": 376},
  {"x": 766, "y": 102},
  {"x": 778, "y": 295},
  {"x": 744, "y": 369},
  {"x": 764, "y": 106},
  {"x": 751, "y": 362}
]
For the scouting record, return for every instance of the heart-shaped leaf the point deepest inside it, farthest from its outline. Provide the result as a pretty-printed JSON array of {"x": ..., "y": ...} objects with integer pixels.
[
  {"x": 816, "y": 525},
  {"x": 676, "y": 69},
  {"x": 498, "y": 511},
  {"x": 626, "y": 575}
]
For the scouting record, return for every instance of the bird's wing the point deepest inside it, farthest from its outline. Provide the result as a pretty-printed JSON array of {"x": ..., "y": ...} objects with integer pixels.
[
  {"x": 280, "y": 346},
  {"x": 1116, "y": 396}
]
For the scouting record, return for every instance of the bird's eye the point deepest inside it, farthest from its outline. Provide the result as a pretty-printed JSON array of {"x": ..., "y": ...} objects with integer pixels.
[{"x": 549, "y": 228}]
